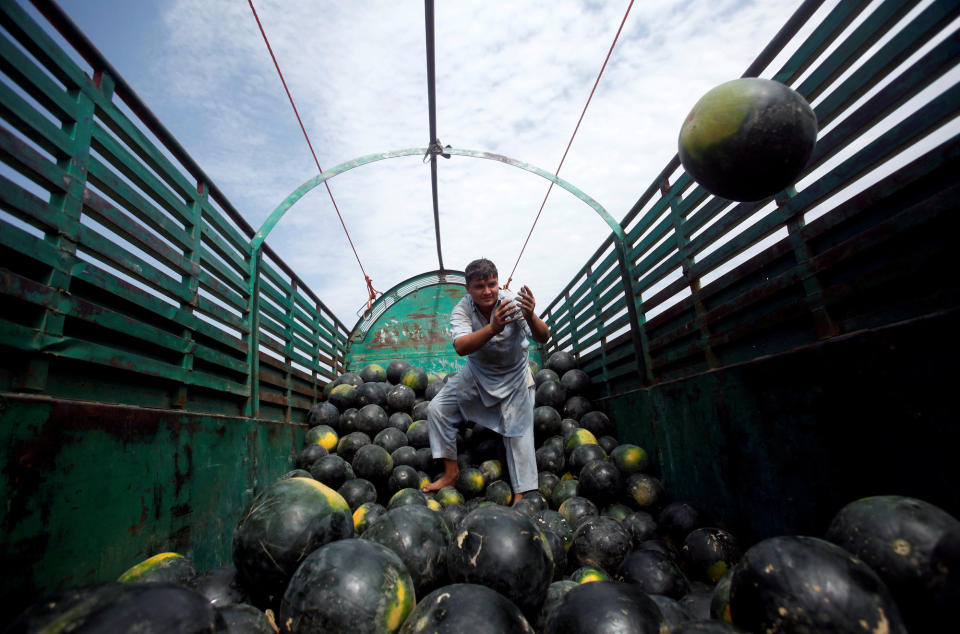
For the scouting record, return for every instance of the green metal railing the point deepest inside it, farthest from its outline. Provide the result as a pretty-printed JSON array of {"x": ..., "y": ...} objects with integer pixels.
[
  {"x": 121, "y": 258},
  {"x": 719, "y": 282},
  {"x": 122, "y": 261}
]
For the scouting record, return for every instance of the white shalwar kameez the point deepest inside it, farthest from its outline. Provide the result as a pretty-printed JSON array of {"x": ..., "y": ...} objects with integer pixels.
[{"x": 495, "y": 389}]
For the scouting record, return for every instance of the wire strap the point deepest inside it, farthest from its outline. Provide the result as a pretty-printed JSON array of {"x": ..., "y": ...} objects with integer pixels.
[
  {"x": 570, "y": 143},
  {"x": 309, "y": 144}
]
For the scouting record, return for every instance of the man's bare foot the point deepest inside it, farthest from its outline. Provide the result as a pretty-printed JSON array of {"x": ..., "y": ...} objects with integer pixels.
[
  {"x": 436, "y": 485},
  {"x": 450, "y": 471},
  {"x": 517, "y": 497}
]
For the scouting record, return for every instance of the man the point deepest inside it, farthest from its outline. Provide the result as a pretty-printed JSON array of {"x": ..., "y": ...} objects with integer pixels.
[{"x": 495, "y": 388}]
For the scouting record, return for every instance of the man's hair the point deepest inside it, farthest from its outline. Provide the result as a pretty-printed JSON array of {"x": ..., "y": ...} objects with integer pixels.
[{"x": 480, "y": 270}]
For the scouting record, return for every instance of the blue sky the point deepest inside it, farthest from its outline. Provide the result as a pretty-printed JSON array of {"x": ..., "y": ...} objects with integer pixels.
[{"x": 512, "y": 78}]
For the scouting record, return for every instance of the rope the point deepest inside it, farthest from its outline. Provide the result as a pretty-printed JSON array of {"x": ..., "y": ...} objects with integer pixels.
[
  {"x": 570, "y": 143},
  {"x": 370, "y": 290}
]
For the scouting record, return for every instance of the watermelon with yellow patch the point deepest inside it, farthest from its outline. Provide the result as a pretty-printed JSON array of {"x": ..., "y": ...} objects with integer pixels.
[
  {"x": 449, "y": 495},
  {"x": 323, "y": 435},
  {"x": 351, "y": 585},
  {"x": 470, "y": 482},
  {"x": 587, "y": 574},
  {"x": 748, "y": 139},
  {"x": 365, "y": 515},
  {"x": 576, "y": 438},
  {"x": 282, "y": 525},
  {"x": 172, "y": 567}
]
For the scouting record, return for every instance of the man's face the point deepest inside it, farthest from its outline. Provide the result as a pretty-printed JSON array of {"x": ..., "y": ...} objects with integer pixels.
[{"x": 484, "y": 292}]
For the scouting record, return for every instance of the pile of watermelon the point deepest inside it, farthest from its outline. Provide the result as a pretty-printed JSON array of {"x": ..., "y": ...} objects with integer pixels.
[{"x": 348, "y": 542}]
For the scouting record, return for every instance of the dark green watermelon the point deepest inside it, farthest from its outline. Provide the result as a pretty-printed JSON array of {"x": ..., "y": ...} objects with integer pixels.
[
  {"x": 551, "y": 521},
  {"x": 600, "y": 482},
  {"x": 352, "y": 585},
  {"x": 324, "y": 413},
  {"x": 390, "y": 439},
  {"x": 418, "y": 434},
  {"x": 407, "y": 496},
  {"x": 284, "y": 523},
  {"x": 600, "y": 542},
  {"x": 546, "y": 422},
  {"x": 349, "y": 445},
  {"x": 644, "y": 492},
  {"x": 492, "y": 470},
  {"x": 373, "y": 373},
  {"x": 420, "y": 410},
  {"x": 641, "y": 526},
  {"x": 371, "y": 419},
  {"x": 348, "y": 421},
  {"x": 550, "y": 459},
  {"x": 357, "y": 491},
  {"x": 654, "y": 573},
  {"x": 121, "y": 607},
  {"x": 552, "y": 394},
  {"x": 365, "y": 515},
  {"x": 466, "y": 607},
  {"x": 308, "y": 455},
  {"x": 401, "y": 398},
  {"x": 403, "y": 477},
  {"x": 676, "y": 520},
  {"x": 709, "y": 553},
  {"x": 605, "y": 607},
  {"x": 896, "y": 535},
  {"x": 598, "y": 424},
  {"x": 577, "y": 509},
  {"x": 372, "y": 462},
  {"x": 499, "y": 492},
  {"x": 545, "y": 375},
  {"x": 323, "y": 435},
  {"x": 561, "y": 362},
  {"x": 400, "y": 420},
  {"x": 415, "y": 378},
  {"x": 546, "y": 483},
  {"x": 589, "y": 574},
  {"x": 420, "y": 538},
  {"x": 564, "y": 490},
  {"x": 405, "y": 455},
  {"x": 748, "y": 139},
  {"x": 331, "y": 470},
  {"x": 369, "y": 394},
  {"x": 583, "y": 454},
  {"x": 171, "y": 567},
  {"x": 344, "y": 396},
  {"x": 576, "y": 406},
  {"x": 500, "y": 548},
  {"x": 470, "y": 482},
  {"x": 804, "y": 584},
  {"x": 575, "y": 381},
  {"x": 395, "y": 370},
  {"x": 629, "y": 459}
]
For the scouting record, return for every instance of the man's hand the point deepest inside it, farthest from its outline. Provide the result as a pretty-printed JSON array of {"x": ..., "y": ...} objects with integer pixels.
[
  {"x": 526, "y": 301},
  {"x": 502, "y": 315}
]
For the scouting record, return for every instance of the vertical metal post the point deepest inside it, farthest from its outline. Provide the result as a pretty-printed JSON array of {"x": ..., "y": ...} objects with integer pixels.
[
  {"x": 825, "y": 325},
  {"x": 686, "y": 264},
  {"x": 288, "y": 350},
  {"x": 69, "y": 205},
  {"x": 252, "y": 408},
  {"x": 192, "y": 282},
  {"x": 638, "y": 332}
]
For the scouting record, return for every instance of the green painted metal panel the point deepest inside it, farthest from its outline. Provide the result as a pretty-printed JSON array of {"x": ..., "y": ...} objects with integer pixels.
[
  {"x": 415, "y": 327},
  {"x": 173, "y": 482}
]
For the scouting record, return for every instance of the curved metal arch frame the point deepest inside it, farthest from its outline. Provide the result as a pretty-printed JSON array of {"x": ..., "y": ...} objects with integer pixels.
[{"x": 633, "y": 300}]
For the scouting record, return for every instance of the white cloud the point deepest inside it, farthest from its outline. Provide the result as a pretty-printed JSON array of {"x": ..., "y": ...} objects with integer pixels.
[{"x": 512, "y": 78}]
